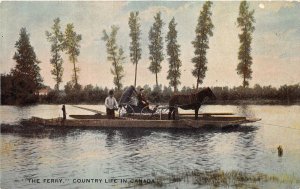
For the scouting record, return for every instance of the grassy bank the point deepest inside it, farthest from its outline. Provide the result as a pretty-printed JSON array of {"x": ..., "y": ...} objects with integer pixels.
[{"x": 223, "y": 179}]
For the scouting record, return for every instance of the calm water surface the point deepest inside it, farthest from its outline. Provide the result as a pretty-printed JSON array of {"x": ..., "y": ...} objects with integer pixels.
[{"x": 133, "y": 153}]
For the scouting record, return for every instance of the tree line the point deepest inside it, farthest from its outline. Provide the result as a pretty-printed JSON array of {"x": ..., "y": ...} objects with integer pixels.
[
  {"x": 286, "y": 94},
  {"x": 21, "y": 84}
]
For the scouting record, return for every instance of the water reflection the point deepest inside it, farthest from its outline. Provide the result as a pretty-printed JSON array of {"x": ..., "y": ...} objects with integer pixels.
[
  {"x": 134, "y": 136},
  {"x": 39, "y": 131},
  {"x": 129, "y": 135},
  {"x": 247, "y": 141},
  {"x": 110, "y": 137}
]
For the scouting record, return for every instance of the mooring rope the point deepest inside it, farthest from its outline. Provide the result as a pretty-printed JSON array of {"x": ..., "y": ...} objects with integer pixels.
[{"x": 275, "y": 125}]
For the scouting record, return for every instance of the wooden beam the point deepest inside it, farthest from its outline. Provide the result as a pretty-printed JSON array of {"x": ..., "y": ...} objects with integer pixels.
[
  {"x": 206, "y": 114},
  {"x": 91, "y": 110}
]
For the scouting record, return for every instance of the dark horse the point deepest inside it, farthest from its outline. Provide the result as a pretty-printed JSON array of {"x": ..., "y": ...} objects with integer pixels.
[{"x": 189, "y": 102}]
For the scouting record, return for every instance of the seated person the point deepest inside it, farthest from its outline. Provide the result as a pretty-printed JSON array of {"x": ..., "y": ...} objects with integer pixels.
[
  {"x": 144, "y": 104},
  {"x": 142, "y": 101}
]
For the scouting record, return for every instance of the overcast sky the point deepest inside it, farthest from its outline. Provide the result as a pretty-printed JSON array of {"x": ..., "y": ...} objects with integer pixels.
[{"x": 275, "y": 45}]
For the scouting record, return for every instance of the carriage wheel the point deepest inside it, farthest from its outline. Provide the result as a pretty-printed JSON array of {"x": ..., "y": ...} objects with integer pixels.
[
  {"x": 143, "y": 109},
  {"x": 123, "y": 110},
  {"x": 128, "y": 105}
]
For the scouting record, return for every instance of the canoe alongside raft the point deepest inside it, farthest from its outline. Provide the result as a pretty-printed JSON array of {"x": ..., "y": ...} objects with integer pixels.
[{"x": 100, "y": 121}]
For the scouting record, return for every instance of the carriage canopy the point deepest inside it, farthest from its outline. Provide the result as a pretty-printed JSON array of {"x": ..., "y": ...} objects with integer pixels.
[{"x": 128, "y": 97}]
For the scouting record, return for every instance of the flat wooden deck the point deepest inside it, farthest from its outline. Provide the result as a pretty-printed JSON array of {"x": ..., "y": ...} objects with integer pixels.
[{"x": 139, "y": 123}]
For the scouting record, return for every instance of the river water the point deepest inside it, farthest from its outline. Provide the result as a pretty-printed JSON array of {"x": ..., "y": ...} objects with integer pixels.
[{"x": 75, "y": 154}]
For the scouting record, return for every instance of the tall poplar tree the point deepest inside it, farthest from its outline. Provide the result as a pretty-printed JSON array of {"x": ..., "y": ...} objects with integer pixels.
[
  {"x": 26, "y": 74},
  {"x": 246, "y": 23},
  {"x": 55, "y": 37},
  {"x": 174, "y": 52},
  {"x": 115, "y": 54},
  {"x": 71, "y": 45},
  {"x": 135, "y": 32},
  {"x": 156, "y": 45},
  {"x": 203, "y": 31}
]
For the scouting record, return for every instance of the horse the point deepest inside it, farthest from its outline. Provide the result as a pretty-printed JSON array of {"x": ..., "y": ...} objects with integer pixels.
[{"x": 190, "y": 101}]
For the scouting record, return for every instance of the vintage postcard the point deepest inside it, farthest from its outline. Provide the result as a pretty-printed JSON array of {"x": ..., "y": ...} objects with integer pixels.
[{"x": 150, "y": 94}]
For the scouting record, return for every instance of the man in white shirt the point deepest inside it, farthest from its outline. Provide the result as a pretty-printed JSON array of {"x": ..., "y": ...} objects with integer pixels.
[{"x": 111, "y": 105}]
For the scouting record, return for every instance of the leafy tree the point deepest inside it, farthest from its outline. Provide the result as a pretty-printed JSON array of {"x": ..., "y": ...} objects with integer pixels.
[
  {"x": 135, "y": 32},
  {"x": 68, "y": 87},
  {"x": 115, "y": 54},
  {"x": 203, "y": 31},
  {"x": 26, "y": 74},
  {"x": 71, "y": 45},
  {"x": 245, "y": 22},
  {"x": 174, "y": 52},
  {"x": 7, "y": 92},
  {"x": 186, "y": 90},
  {"x": 156, "y": 94},
  {"x": 55, "y": 37},
  {"x": 167, "y": 94},
  {"x": 156, "y": 45}
]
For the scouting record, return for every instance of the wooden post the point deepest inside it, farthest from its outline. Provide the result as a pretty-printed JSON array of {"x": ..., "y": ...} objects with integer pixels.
[{"x": 64, "y": 112}]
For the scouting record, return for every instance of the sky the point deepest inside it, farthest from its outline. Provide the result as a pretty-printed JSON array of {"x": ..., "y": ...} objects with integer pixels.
[{"x": 275, "y": 45}]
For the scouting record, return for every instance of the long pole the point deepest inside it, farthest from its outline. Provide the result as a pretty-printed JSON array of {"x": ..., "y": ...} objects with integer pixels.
[{"x": 88, "y": 109}]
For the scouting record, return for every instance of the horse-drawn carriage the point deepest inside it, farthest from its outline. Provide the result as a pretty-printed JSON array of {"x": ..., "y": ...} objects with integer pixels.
[{"x": 129, "y": 103}]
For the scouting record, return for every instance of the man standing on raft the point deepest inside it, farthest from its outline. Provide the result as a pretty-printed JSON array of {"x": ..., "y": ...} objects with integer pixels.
[{"x": 111, "y": 105}]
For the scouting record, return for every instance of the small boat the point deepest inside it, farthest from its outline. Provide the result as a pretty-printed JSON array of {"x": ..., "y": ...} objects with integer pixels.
[{"x": 140, "y": 121}]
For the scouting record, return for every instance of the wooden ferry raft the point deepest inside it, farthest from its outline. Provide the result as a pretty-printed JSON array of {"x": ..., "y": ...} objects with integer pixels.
[{"x": 187, "y": 122}]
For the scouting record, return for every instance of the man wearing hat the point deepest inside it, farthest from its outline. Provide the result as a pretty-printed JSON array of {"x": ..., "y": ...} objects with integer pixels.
[{"x": 111, "y": 105}]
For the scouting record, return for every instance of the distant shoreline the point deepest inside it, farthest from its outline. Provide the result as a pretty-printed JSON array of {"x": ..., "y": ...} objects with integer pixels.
[
  {"x": 218, "y": 102},
  {"x": 255, "y": 102}
]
